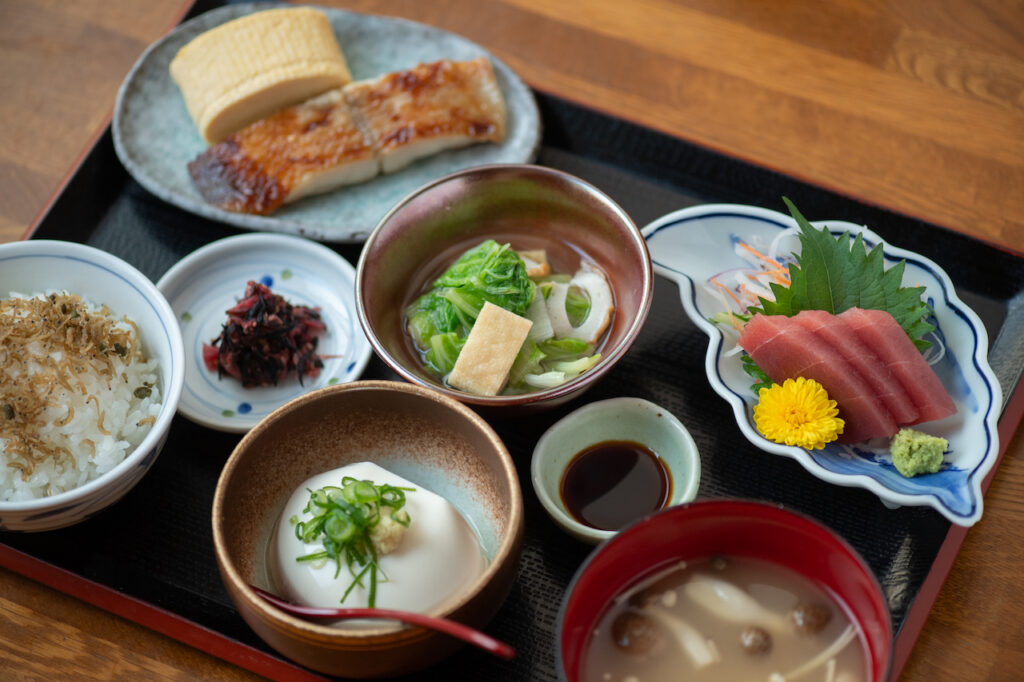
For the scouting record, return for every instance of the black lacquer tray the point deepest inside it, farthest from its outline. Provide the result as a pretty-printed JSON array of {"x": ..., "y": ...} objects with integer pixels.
[{"x": 150, "y": 557}]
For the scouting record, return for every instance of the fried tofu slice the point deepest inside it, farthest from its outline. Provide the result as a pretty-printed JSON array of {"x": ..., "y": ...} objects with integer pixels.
[
  {"x": 536, "y": 261},
  {"x": 490, "y": 349},
  {"x": 420, "y": 111}
]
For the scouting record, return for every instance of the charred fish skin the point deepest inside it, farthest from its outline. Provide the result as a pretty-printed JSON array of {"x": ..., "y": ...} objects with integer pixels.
[
  {"x": 305, "y": 149},
  {"x": 431, "y": 107},
  {"x": 228, "y": 178}
]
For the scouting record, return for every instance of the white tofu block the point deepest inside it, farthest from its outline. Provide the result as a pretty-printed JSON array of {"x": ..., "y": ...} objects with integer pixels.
[{"x": 489, "y": 351}]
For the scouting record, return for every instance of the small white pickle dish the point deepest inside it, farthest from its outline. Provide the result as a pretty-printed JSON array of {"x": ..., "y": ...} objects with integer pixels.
[{"x": 204, "y": 284}]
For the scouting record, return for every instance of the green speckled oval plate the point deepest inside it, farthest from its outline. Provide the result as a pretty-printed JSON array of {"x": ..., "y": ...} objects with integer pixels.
[
  {"x": 155, "y": 138},
  {"x": 204, "y": 284}
]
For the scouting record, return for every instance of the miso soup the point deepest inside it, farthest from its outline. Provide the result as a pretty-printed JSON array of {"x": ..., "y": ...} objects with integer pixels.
[{"x": 722, "y": 619}]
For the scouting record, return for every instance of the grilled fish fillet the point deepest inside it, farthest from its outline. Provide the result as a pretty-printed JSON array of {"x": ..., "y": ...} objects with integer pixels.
[
  {"x": 309, "y": 148},
  {"x": 431, "y": 107},
  {"x": 348, "y": 135}
]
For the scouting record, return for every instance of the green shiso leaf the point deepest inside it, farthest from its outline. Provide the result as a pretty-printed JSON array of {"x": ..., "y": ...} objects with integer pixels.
[{"x": 838, "y": 273}]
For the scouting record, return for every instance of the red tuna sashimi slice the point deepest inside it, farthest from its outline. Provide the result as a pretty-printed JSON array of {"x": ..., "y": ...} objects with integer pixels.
[
  {"x": 785, "y": 350},
  {"x": 834, "y": 331},
  {"x": 883, "y": 334}
]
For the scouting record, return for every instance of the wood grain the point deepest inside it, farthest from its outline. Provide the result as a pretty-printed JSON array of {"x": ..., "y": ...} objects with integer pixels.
[
  {"x": 47, "y": 635},
  {"x": 917, "y": 106}
]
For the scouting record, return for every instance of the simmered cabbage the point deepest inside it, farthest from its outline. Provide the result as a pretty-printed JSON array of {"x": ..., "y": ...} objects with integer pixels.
[{"x": 440, "y": 320}]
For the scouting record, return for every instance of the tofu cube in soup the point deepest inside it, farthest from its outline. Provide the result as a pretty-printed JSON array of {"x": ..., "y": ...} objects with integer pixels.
[{"x": 489, "y": 352}]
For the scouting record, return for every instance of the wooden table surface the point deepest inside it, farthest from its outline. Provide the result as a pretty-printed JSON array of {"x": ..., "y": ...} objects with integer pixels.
[{"x": 917, "y": 106}]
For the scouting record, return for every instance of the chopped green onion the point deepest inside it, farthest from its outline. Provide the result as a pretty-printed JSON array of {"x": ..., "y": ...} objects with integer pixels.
[{"x": 343, "y": 519}]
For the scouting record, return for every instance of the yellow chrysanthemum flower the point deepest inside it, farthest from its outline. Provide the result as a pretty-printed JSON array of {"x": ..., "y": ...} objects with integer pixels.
[{"x": 797, "y": 412}]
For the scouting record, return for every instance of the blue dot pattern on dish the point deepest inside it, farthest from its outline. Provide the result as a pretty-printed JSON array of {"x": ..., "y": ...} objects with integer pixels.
[
  {"x": 351, "y": 366},
  {"x": 267, "y": 281},
  {"x": 244, "y": 408}
]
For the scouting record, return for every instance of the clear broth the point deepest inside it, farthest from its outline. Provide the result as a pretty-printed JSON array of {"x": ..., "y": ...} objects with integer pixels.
[{"x": 776, "y": 589}]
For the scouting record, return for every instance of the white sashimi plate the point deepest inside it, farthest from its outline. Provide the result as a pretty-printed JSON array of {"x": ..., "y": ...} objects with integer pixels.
[
  {"x": 155, "y": 138},
  {"x": 694, "y": 244},
  {"x": 208, "y": 281}
]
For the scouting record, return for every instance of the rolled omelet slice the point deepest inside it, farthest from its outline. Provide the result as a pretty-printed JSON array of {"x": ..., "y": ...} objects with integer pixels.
[{"x": 251, "y": 67}]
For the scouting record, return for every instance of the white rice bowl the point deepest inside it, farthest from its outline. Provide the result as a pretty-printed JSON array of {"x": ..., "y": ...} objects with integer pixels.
[
  {"x": 124, "y": 455},
  {"x": 126, "y": 419}
]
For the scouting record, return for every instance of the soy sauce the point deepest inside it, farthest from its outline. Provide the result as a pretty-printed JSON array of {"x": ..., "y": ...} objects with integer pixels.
[{"x": 611, "y": 484}]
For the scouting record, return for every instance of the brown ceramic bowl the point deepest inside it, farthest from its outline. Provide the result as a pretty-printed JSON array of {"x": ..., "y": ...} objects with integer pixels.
[
  {"x": 419, "y": 434},
  {"x": 530, "y": 207}
]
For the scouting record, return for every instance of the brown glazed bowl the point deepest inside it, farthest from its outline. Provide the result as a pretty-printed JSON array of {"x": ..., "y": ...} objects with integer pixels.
[
  {"x": 418, "y": 434},
  {"x": 530, "y": 207}
]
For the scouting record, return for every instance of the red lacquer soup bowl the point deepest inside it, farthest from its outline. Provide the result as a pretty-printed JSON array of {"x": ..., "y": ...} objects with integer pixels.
[{"x": 708, "y": 528}]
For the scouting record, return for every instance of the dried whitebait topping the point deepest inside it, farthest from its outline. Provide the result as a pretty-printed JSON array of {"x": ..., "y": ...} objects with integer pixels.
[{"x": 47, "y": 343}]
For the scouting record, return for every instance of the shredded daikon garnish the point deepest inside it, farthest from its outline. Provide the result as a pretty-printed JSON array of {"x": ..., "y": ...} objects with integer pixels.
[{"x": 744, "y": 285}]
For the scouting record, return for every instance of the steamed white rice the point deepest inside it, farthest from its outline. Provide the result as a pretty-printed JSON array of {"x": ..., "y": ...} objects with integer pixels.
[{"x": 109, "y": 421}]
